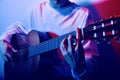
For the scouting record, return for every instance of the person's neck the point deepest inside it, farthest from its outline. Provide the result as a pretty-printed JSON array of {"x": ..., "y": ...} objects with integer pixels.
[
  {"x": 62, "y": 6},
  {"x": 65, "y": 5}
]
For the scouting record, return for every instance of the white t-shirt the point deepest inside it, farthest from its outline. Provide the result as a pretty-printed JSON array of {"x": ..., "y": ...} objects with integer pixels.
[{"x": 43, "y": 17}]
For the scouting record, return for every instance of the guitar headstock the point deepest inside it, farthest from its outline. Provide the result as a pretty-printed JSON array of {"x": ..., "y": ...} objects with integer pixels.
[{"x": 105, "y": 29}]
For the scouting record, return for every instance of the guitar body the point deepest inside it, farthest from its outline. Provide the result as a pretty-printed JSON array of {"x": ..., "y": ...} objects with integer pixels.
[{"x": 23, "y": 70}]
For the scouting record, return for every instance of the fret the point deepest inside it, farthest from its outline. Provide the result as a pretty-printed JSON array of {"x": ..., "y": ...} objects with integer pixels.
[
  {"x": 113, "y": 32},
  {"x": 112, "y": 22},
  {"x": 94, "y": 27},
  {"x": 104, "y": 33},
  {"x": 103, "y": 25},
  {"x": 95, "y": 35}
]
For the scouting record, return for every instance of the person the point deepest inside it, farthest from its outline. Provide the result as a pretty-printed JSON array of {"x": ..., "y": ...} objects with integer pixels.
[{"x": 59, "y": 17}]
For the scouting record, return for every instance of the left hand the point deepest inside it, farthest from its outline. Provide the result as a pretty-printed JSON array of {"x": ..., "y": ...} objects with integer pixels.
[{"x": 73, "y": 53}]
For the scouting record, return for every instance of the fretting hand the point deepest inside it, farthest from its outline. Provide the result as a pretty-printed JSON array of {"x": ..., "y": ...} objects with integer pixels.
[{"x": 73, "y": 53}]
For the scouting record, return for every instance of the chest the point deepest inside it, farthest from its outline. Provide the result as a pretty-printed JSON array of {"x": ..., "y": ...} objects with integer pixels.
[{"x": 62, "y": 24}]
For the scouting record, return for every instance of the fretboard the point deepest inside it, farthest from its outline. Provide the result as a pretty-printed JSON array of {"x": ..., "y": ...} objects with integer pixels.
[
  {"x": 95, "y": 31},
  {"x": 47, "y": 45}
]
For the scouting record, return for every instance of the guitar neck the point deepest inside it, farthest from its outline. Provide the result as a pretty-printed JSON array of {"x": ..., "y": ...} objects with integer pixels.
[
  {"x": 108, "y": 28},
  {"x": 47, "y": 45}
]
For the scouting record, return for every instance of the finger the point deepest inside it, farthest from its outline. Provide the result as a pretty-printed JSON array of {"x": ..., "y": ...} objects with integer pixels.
[
  {"x": 71, "y": 49},
  {"x": 65, "y": 53},
  {"x": 63, "y": 47},
  {"x": 70, "y": 44},
  {"x": 78, "y": 38},
  {"x": 78, "y": 34},
  {"x": 69, "y": 61},
  {"x": 79, "y": 55},
  {"x": 79, "y": 47}
]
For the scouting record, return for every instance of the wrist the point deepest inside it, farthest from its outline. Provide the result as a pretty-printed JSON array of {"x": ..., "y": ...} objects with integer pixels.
[{"x": 76, "y": 74}]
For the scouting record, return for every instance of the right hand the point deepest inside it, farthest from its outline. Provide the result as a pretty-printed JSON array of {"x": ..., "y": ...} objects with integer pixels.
[{"x": 6, "y": 51}]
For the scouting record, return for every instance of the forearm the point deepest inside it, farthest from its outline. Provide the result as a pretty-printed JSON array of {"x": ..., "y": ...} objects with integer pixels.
[{"x": 5, "y": 39}]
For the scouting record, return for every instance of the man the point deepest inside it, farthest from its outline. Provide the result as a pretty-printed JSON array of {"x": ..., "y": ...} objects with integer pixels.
[{"x": 59, "y": 17}]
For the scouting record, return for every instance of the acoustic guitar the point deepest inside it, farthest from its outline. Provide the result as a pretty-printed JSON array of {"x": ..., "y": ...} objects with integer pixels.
[{"x": 36, "y": 43}]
